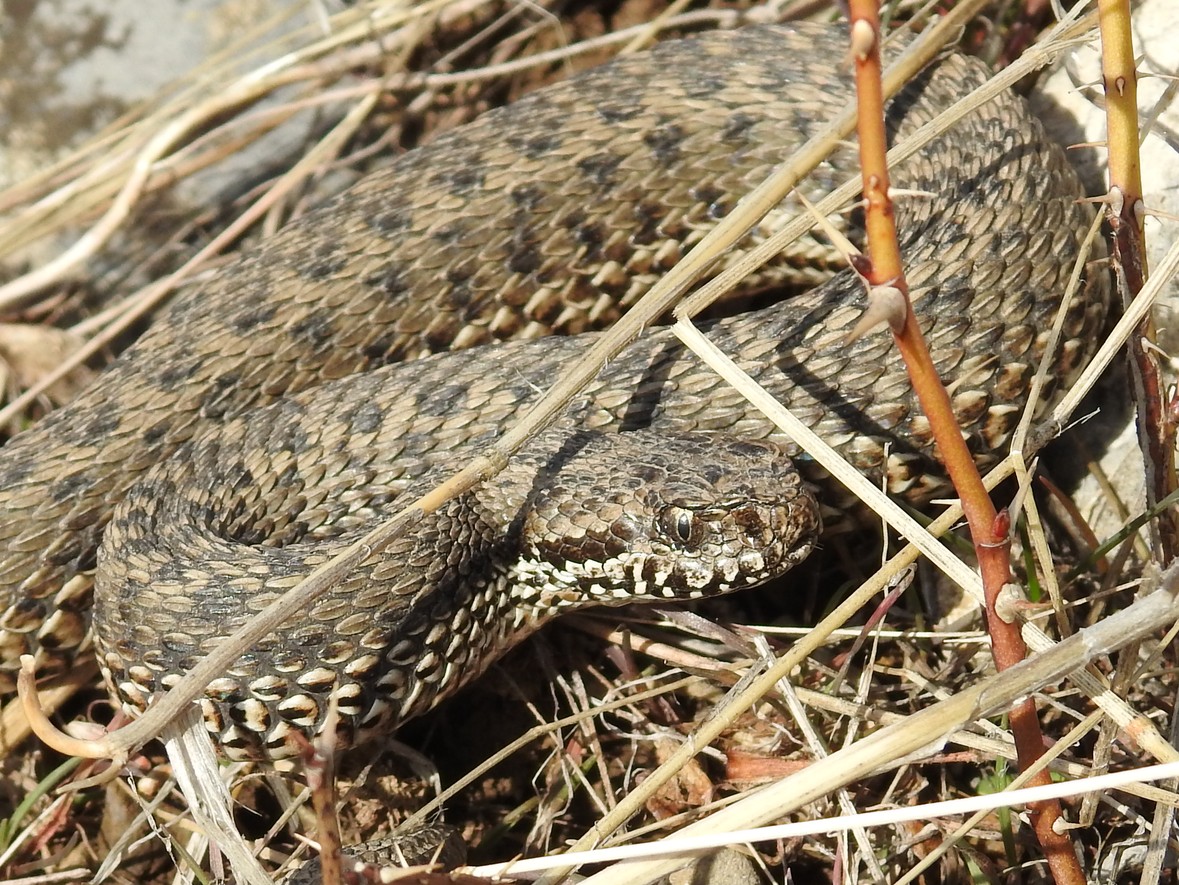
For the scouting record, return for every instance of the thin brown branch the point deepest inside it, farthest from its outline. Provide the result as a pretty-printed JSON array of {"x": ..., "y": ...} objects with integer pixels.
[
  {"x": 1155, "y": 423},
  {"x": 319, "y": 759},
  {"x": 1125, "y": 211},
  {"x": 989, "y": 530}
]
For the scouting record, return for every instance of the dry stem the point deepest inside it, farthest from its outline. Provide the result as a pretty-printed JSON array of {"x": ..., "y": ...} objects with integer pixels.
[{"x": 1125, "y": 213}]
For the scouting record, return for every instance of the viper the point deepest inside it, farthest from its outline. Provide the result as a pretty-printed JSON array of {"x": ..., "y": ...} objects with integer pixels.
[{"x": 303, "y": 391}]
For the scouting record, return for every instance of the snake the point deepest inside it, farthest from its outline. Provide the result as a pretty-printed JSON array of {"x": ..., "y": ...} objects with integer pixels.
[{"x": 283, "y": 405}]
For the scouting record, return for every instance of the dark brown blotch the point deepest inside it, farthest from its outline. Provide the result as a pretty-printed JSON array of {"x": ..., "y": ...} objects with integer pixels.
[
  {"x": 704, "y": 85},
  {"x": 592, "y": 237},
  {"x": 618, "y": 113},
  {"x": 738, "y": 129},
  {"x": 381, "y": 349},
  {"x": 524, "y": 260},
  {"x": 441, "y": 399},
  {"x": 535, "y": 147},
  {"x": 322, "y": 261},
  {"x": 389, "y": 280},
  {"x": 665, "y": 143},
  {"x": 316, "y": 328},
  {"x": 461, "y": 181},
  {"x": 102, "y": 425},
  {"x": 175, "y": 372},
  {"x": 222, "y": 393},
  {"x": 527, "y": 196},
  {"x": 153, "y": 435},
  {"x": 713, "y": 197},
  {"x": 600, "y": 168},
  {"x": 367, "y": 417},
  {"x": 450, "y": 233},
  {"x": 390, "y": 221},
  {"x": 68, "y": 488},
  {"x": 648, "y": 217},
  {"x": 245, "y": 321},
  {"x": 458, "y": 292}
]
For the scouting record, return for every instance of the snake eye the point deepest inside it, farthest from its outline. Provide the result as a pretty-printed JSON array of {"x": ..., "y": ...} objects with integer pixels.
[{"x": 681, "y": 526}]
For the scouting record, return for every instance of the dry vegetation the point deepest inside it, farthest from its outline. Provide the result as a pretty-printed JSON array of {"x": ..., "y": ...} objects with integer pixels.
[{"x": 590, "y": 708}]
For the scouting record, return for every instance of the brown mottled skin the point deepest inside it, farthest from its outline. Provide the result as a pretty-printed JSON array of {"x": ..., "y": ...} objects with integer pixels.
[{"x": 549, "y": 215}]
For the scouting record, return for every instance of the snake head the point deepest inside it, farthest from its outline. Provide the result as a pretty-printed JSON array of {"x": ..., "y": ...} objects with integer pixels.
[{"x": 638, "y": 517}]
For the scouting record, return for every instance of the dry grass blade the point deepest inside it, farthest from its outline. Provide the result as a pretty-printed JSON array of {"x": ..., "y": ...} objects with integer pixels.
[{"x": 200, "y": 777}]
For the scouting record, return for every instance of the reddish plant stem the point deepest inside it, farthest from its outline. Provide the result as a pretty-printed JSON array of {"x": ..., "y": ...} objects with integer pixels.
[{"x": 987, "y": 528}]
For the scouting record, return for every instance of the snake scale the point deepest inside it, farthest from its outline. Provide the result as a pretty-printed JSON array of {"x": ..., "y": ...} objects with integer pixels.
[{"x": 269, "y": 417}]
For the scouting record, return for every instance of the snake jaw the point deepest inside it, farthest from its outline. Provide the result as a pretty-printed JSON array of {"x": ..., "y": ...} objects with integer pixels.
[{"x": 642, "y": 526}]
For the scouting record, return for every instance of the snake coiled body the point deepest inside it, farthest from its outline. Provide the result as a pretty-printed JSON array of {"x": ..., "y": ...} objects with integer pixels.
[{"x": 550, "y": 214}]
